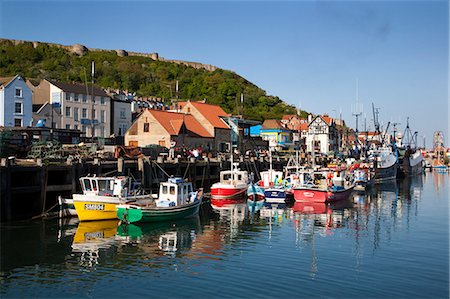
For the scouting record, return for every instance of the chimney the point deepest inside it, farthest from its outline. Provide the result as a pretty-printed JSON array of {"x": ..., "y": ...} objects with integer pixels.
[{"x": 309, "y": 118}]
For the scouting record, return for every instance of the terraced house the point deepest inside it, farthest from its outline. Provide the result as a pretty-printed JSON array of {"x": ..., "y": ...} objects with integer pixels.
[
  {"x": 15, "y": 102},
  {"x": 77, "y": 107}
]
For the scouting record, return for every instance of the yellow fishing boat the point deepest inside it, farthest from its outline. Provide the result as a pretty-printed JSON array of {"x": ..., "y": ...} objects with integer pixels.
[{"x": 101, "y": 195}]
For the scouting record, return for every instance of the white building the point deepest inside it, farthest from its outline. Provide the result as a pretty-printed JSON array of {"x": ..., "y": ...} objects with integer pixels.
[
  {"x": 78, "y": 109},
  {"x": 322, "y": 135}
]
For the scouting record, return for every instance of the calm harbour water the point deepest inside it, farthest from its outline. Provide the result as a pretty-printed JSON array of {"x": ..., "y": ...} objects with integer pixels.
[{"x": 390, "y": 243}]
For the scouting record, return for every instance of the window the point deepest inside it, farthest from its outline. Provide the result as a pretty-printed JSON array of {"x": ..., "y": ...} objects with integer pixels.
[
  {"x": 102, "y": 116},
  {"x": 102, "y": 100},
  {"x": 17, "y": 122},
  {"x": 83, "y": 98},
  {"x": 68, "y": 127},
  {"x": 189, "y": 109},
  {"x": 67, "y": 96},
  {"x": 18, "y": 108},
  {"x": 93, "y": 113},
  {"x": 75, "y": 113},
  {"x": 18, "y": 92},
  {"x": 67, "y": 111},
  {"x": 75, "y": 127},
  {"x": 122, "y": 113},
  {"x": 93, "y": 99},
  {"x": 172, "y": 190},
  {"x": 164, "y": 190},
  {"x": 146, "y": 127},
  {"x": 84, "y": 113},
  {"x": 75, "y": 98},
  {"x": 87, "y": 185}
]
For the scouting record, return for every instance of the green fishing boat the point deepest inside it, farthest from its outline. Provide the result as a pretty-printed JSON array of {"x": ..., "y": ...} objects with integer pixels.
[{"x": 176, "y": 200}]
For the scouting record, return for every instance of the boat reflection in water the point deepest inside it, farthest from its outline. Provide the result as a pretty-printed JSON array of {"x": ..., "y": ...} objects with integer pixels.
[
  {"x": 163, "y": 238},
  {"x": 232, "y": 216},
  {"x": 90, "y": 238},
  {"x": 275, "y": 214},
  {"x": 316, "y": 218}
]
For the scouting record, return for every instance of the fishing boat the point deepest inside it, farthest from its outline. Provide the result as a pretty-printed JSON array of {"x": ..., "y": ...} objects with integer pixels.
[
  {"x": 323, "y": 186},
  {"x": 176, "y": 200},
  {"x": 410, "y": 157},
  {"x": 282, "y": 182},
  {"x": 101, "y": 195},
  {"x": 255, "y": 193},
  {"x": 362, "y": 176},
  {"x": 410, "y": 162},
  {"x": 232, "y": 186},
  {"x": 385, "y": 163}
]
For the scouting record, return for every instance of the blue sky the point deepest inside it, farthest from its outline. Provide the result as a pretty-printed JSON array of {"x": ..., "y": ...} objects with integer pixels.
[{"x": 309, "y": 53}]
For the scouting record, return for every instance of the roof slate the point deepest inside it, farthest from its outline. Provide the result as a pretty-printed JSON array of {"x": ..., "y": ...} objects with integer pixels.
[{"x": 78, "y": 88}]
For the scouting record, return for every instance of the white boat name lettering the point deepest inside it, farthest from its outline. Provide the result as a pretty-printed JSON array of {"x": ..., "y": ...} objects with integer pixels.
[
  {"x": 94, "y": 235},
  {"x": 94, "y": 207}
]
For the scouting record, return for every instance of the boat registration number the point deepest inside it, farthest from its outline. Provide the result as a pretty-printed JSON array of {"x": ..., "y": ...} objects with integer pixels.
[
  {"x": 94, "y": 207},
  {"x": 94, "y": 235}
]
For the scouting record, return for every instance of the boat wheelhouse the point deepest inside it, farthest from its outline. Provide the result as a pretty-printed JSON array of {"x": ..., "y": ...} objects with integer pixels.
[
  {"x": 101, "y": 195},
  {"x": 232, "y": 186}
]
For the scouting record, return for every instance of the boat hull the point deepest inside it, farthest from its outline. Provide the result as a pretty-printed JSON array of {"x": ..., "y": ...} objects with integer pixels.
[
  {"x": 230, "y": 193},
  {"x": 321, "y": 195},
  {"x": 275, "y": 195},
  {"x": 255, "y": 192},
  {"x": 130, "y": 213},
  {"x": 385, "y": 174},
  {"x": 91, "y": 208}
]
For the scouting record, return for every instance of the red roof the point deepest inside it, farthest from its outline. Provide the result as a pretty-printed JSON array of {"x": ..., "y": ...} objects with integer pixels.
[
  {"x": 212, "y": 113},
  {"x": 173, "y": 122},
  {"x": 288, "y": 116},
  {"x": 327, "y": 119},
  {"x": 303, "y": 127}
]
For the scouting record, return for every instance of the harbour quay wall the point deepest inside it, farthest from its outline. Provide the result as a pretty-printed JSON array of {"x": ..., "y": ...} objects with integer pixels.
[{"x": 30, "y": 189}]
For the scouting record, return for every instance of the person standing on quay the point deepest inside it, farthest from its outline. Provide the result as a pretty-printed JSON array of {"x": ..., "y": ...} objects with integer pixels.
[{"x": 172, "y": 149}]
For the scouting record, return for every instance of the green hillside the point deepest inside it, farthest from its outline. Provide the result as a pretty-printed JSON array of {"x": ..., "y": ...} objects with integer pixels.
[{"x": 143, "y": 75}]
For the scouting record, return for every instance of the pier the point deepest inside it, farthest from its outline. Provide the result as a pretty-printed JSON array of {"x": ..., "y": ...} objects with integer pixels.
[{"x": 30, "y": 188}]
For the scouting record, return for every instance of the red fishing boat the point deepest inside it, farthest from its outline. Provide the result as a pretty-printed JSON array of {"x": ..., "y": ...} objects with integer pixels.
[
  {"x": 323, "y": 186},
  {"x": 231, "y": 188}
]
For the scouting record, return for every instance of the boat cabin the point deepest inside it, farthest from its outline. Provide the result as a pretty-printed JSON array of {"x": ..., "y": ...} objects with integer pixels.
[
  {"x": 233, "y": 176},
  {"x": 175, "y": 192},
  {"x": 108, "y": 186}
]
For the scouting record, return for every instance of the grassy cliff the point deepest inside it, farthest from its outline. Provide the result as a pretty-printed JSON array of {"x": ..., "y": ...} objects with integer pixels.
[{"x": 143, "y": 75}]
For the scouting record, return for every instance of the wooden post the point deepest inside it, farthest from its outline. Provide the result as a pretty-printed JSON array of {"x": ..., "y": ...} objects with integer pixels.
[
  {"x": 120, "y": 166},
  {"x": 5, "y": 194},
  {"x": 44, "y": 179}
]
